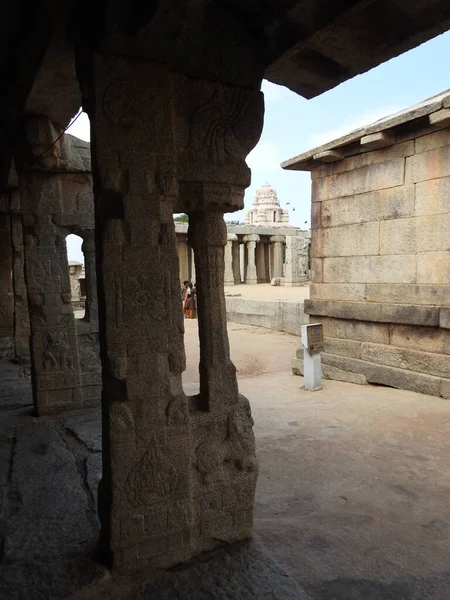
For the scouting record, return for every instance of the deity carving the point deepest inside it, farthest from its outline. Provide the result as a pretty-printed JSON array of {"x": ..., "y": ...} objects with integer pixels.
[{"x": 57, "y": 353}]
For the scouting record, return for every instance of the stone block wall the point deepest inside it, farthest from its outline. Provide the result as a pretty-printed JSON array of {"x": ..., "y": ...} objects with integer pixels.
[{"x": 381, "y": 264}]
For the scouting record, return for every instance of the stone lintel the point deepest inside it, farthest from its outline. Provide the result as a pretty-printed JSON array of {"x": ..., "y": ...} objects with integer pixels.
[
  {"x": 373, "y": 141},
  {"x": 407, "y": 314},
  {"x": 440, "y": 118},
  {"x": 328, "y": 156}
]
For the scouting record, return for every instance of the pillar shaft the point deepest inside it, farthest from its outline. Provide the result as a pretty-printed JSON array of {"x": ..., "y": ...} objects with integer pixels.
[
  {"x": 218, "y": 384},
  {"x": 277, "y": 245},
  {"x": 53, "y": 341},
  {"x": 6, "y": 280},
  {"x": 229, "y": 260},
  {"x": 21, "y": 315},
  {"x": 179, "y": 474},
  {"x": 251, "y": 275}
]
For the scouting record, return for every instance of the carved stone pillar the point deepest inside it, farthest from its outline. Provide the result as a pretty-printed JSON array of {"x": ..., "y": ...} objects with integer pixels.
[
  {"x": 88, "y": 248},
  {"x": 55, "y": 367},
  {"x": 229, "y": 273},
  {"x": 21, "y": 315},
  {"x": 277, "y": 256},
  {"x": 178, "y": 474},
  {"x": 251, "y": 275},
  {"x": 6, "y": 281}
]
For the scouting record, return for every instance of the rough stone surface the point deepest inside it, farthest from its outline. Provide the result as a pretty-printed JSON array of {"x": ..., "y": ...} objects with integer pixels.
[
  {"x": 390, "y": 376},
  {"x": 174, "y": 467}
]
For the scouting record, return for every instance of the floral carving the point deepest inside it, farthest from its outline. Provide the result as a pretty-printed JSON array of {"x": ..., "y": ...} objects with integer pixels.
[
  {"x": 145, "y": 299},
  {"x": 153, "y": 479}
]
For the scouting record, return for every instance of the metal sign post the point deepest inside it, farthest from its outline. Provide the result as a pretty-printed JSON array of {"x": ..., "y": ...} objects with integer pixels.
[{"x": 312, "y": 341}]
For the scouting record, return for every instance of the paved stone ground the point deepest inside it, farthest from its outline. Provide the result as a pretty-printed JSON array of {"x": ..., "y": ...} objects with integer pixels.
[{"x": 352, "y": 496}]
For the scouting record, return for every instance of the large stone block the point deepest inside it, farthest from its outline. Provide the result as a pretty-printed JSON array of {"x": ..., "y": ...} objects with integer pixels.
[
  {"x": 385, "y": 375},
  {"x": 414, "y": 294},
  {"x": 430, "y": 363},
  {"x": 343, "y": 347},
  {"x": 433, "y": 232},
  {"x": 400, "y": 150},
  {"x": 427, "y": 339},
  {"x": 392, "y": 203},
  {"x": 377, "y": 333},
  {"x": 433, "y": 267},
  {"x": 428, "y": 165},
  {"x": 315, "y": 307},
  {"x": 398, "y": 236},
  {"x": 357, "y": 181},
  {"x": 317, "y": 270},
  {"x": 444, "y": 317},
  {"x": 338, "y": 291},
  {"x": 433, "y": 140},
  {"x": 316, "y": 215},
  {"x": 445, "y": 389},
  {"x": 378, "y": 312},
  {"x": 317, "y": 243},
  {"x": 433, "y": 197},
  {"x": 336, "y": 374},
  {"x": 361, "y": 239},
  {"x": 370, "y": 269}
]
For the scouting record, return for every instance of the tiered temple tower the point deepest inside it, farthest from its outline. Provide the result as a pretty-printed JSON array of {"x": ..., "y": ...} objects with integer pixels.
[{"x": 266, "y": 209}]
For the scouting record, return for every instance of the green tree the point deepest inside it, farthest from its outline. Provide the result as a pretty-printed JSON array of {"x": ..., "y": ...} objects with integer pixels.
[{"x": 183, "y": 218}]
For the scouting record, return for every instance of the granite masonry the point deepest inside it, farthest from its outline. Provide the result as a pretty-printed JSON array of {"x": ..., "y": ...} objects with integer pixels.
[
  {"x": 172, "y": 91},
  {"x": 381, "y": 250}
]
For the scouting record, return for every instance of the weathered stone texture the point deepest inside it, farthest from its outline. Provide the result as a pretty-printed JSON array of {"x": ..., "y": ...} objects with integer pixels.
[
  {"x": 412, "y": 360},
  {"x": 361, "y": 239},
  {"x": 338, "y": 291},
  {"x": 6, "y": 281},
  {"x": 433, "y": 197},
  {"x": 386, "y": 375},
  {"x": 428, "y": 339},
  {"x": 179, "y": 473},
  {"x": 437, "y": 295},
  {"x": 433, "y": 268},
  {"x": 371, "y": 269},
  {"x": 377, "y": 333},
  {"x": 365, "y": 179},
  {"x": 428, "y": 165}
]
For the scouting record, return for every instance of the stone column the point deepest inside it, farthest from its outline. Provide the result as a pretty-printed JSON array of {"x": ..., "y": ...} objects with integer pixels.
[
  {"x": 6, "y": 281},
  {"x": 192, "y": 265},
  {"x": 236, "y": 262},
  {"x": 243, "y": 262},
  {"x": 229, "y": 272},
  {"x": 178, "y": 474},
  {"x": 277, "y": 245},
  {"x": 88, "y": 248},
  {"x": 21, "y": 315},
  {"x": 183, "y": 257},
  {"x": 251, "y": 276},
  {"x": 261, "y": 262},
  {"x": 55, "y": 366},
  {"x": 208, "y": 236}
]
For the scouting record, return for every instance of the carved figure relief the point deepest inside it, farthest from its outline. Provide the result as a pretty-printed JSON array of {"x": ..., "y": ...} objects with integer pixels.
[
  {"x": 85, "y": 203},
  {"x": 89, "y": 354},
  {"x": 121, "y": 420},
  {"x": 241, "y": 437},
  {"x": 118, "y": 105},
  {"x": 57, "y": 353},
  {"x": 152, "y": 480},
  {"x": 177, "y": 411},
  {"x": 210, "y": 457}
]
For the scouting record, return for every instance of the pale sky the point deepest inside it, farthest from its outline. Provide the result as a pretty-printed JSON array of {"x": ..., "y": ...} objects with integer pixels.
[{"x": 293, "y": 125}]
